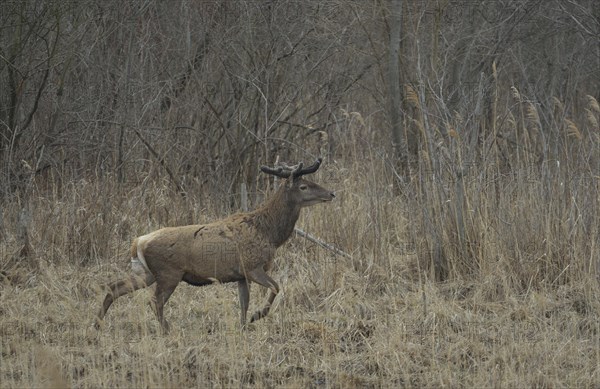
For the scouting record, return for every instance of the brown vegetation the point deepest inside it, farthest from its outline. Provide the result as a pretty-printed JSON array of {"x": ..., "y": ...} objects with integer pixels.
[
  {"x": 519, "y": 306},
  {"x": 473, "y": 263}
]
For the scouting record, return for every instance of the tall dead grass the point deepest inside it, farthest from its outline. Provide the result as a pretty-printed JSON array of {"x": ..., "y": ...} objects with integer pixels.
[{"x": 515, "y": 303}]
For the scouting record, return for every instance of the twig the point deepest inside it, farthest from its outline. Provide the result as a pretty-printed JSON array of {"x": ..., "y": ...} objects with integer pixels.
[
  {"x": 327, "y": 246},
  {"x": 162, "y": 163}
]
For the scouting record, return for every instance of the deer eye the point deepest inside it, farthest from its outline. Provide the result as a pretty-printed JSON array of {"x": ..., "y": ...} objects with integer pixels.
[{"x": 303, "y": 187}]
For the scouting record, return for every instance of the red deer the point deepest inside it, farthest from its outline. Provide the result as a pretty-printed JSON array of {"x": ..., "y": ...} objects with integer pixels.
[{"x": 240, "y": 248}]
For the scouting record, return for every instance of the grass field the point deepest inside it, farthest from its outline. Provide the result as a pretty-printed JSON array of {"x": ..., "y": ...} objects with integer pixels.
[
  {"x": 514, "y": 301},
  {"x": 347, "y": 330}
]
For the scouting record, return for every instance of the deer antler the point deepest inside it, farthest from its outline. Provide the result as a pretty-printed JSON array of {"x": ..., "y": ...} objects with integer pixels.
[
  {"x": 311, "y": 169},
  {"x": 285, "y": 171}
]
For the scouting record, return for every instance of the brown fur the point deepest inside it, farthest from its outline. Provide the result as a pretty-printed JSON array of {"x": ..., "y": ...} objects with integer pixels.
[{"x": 240, "y": 248}]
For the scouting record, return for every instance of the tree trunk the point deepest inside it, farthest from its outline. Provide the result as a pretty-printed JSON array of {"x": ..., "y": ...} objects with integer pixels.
[{"x": 398, "y": 137}]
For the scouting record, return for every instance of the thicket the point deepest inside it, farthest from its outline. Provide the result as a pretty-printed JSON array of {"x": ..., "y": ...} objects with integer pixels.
[
  {"x": 499, "y": 118},
  {"x": 461, "y": 137}
]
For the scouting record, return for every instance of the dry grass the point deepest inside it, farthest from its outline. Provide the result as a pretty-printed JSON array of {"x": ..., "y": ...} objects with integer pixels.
[
  {"x": 519, "y": 307},
  {"x": 333, "y": 326}
]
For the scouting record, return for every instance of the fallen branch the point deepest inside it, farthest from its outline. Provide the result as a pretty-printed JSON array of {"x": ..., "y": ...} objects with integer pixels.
[{"x": 327, "y": 246}]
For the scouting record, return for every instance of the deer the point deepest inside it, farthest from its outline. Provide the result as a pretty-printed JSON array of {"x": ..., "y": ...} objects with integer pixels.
[{"x": 240, "y": 248}]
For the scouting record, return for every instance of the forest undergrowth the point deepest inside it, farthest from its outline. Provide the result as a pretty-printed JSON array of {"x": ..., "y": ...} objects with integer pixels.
[{"x": 478, "y": 271}]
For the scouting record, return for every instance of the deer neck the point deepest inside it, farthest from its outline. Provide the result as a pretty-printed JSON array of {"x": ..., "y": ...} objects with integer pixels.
[{"x": 277, "y": 217}]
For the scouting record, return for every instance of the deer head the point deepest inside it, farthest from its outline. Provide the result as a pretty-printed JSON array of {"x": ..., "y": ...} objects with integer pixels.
[{"x": 302, "y": 192}]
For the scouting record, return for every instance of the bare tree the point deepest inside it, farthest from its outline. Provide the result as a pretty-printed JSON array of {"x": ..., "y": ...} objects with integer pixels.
[{"x": 398, "y": 134}]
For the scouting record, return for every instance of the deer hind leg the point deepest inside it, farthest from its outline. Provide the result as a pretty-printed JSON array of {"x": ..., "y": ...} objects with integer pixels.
[
  {"x": 260, "y": 277},
  {"x": 244, "y": 292},
  {"x": 121, "y": 287}
]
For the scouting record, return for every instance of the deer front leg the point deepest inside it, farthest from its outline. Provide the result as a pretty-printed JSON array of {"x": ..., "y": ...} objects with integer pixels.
[
  {"x": 260, "y": 277},
  {"x": 164, "y": 288},
  {"x": 244, "y": 292}
]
